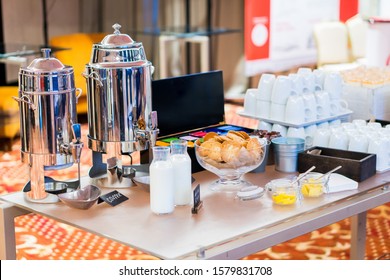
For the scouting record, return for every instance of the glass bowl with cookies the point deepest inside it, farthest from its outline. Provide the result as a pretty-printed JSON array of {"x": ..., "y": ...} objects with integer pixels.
[{"x": 230, "y": 156}]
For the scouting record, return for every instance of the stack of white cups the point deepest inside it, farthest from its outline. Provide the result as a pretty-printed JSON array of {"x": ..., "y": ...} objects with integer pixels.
[
  {"x": 333, "y": 85},
  {"x": 280, "y": 93},
  {"x": 303, "y": 99},
  {"x": 357, "y": 136},
  {"x": 263, "y": 100}
]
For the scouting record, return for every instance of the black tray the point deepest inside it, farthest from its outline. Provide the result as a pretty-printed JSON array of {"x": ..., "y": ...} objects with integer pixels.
[{"x": 355, "y": 165}]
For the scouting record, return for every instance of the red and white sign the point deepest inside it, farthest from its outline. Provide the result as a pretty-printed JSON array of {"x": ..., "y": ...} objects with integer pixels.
[
  {"x": 278, "y": 33},
  {"x": 257, "y": 29}
]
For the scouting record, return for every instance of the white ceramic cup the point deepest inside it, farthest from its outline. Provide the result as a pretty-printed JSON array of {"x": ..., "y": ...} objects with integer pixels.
[
  {"x": 338, "y": 106},
  {"x": 304, "y": 71},
  {"x": 311, "y": 104},
  {"x": 333, "y": 83},
  {"x": 348, "y": 126},
  {"x": 296, "y": 112},
  {"x": 297, "y": 83},
  {"x": 280, "y": 128},
  {"x": 281, "y": 90},
  {"x": 250, "y": 101},
  {"x": 265, "y": 86},
  {"x": 324, "y": 125},
  {"x": 310, "y": 131},
  {"x": 319, "y": 77},
  {"x": 358, "y": 142},
  {"x": 296, "y": 132},
  {"x": 263, "y": 108},
  {"x": 277, "y": 112},
  {"x": 335, "y": 123},
  {"x": 378, "y": 146},
  {"x": 321, "y": 137},
  {"x": 339, "y": 140},
  {"x": 374, "y": 125},
  {"x": 264, "y": 126},
  {"x": 323, "y": 102},
  {"x": 308, "y": 83},
  {"x": 359, "y": 122}
]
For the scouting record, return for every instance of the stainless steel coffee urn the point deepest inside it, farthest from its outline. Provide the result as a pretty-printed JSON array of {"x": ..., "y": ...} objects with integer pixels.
[
  {"x": 120, "y": 116},
  {"x": 49, "y": 132}
]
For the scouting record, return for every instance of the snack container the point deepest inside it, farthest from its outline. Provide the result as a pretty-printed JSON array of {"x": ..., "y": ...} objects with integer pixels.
[
  {"x": 284, "y": 192},
  {"x": 313, "y": 185}
]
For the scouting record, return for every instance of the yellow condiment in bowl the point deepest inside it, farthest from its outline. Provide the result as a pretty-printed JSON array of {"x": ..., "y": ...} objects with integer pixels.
[
  {"x": 284, "y": 198},
  {"x": 311, "y": 186}
]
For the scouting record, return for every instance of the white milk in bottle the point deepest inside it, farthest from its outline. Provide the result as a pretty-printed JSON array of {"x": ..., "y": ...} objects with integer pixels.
[
  {"x": 161, "y": 182},
  {"x": 181, "y": 162}
]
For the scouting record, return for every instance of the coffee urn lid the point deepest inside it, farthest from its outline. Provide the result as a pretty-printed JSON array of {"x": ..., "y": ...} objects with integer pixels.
[
  {"x": 45, "y": 63},
  {"x": 118, "y": 50},
  {"x": 46, "y": 75},
  {"x": 117, "y": 39}
]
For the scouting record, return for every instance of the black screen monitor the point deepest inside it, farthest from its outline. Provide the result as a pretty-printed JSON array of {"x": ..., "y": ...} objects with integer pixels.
[{"x": 188, "y": 102}]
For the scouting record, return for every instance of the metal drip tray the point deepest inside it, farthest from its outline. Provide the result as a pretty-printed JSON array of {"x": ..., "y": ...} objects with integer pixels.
[{"x": 103, "y": 182}]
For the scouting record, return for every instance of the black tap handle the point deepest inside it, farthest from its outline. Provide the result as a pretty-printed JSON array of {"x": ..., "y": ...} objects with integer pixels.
[{"x": 76, "y": 131}]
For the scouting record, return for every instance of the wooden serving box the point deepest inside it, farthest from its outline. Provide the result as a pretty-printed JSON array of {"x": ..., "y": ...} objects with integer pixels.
[{"x": 355, "y": 165}]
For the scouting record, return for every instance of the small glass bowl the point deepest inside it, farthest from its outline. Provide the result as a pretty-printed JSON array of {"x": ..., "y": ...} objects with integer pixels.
[
  {"x": 312, "y": 185},
  {"x": 284, "y": 192}
]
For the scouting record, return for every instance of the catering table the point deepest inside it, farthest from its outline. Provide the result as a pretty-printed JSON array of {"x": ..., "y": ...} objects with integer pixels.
[{"x": 225, "y": 228}]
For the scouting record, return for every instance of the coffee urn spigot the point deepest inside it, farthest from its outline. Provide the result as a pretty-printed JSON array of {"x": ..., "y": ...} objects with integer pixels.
[
  {"x": 120, "y": 116},
  {"x": 47, "y": 101}
]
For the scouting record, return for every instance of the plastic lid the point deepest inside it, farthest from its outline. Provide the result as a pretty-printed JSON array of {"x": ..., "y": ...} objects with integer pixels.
[
  {"x": 117, "y": 38},
  {"x": 250, "y": 193},
  {"x": 46, "y": 63}
]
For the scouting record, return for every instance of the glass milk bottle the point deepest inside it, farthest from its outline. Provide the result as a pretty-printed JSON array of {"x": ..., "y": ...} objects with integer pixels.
[
  {"x": 181, "y": 162},
  {"x": 161, "y": 182}
]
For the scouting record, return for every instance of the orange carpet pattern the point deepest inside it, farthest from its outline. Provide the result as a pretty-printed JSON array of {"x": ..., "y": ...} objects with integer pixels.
[{"x": 41, "y": 238}]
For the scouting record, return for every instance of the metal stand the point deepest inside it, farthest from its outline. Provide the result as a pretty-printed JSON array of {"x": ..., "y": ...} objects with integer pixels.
[{"x": 98, "y": 173}]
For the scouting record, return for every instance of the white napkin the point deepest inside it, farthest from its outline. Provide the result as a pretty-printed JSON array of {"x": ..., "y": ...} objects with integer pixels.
[{"x": 338, "y": 183}]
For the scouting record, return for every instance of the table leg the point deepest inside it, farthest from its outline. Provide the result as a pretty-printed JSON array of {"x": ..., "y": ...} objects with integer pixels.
[
  {"x": 358, "y": 236},
  {"x": 8, "y": 212}
]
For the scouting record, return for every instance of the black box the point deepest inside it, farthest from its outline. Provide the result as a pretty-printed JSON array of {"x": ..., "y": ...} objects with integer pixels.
[
  {"x": 383, "y": 122},
  {"x": 189, "y": 104},
  {"x": 355, "y": 165}
]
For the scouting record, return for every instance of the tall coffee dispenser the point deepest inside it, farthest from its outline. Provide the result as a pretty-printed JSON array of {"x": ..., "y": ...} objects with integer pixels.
[
  {"x": 120, "y": 116},
  {"x": 49, "y": 132}
]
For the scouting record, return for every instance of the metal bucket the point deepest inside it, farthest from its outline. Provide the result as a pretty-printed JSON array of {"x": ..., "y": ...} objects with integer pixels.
[{"x": 286, "y": 151}]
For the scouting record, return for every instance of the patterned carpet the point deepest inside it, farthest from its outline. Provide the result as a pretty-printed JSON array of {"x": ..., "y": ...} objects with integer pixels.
[{"x": 41, "y": 238}]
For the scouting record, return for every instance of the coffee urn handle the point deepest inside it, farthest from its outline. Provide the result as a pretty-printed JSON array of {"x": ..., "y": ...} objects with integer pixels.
[
  {"x": 94, "y": 76},
  {"x": 76, "y": 128},
  {"x": 28, "y": 101},
  {"x": 80, "y": 92},
  {"x": 153, "y": 120}
]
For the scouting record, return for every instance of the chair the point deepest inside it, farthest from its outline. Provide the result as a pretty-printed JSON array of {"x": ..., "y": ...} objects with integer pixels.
[
  {"x": 357, "y": 30},
  {"x": 331, "y": 39},
  {"x": 78, "y": 55},
  {"x": 9, "y": 116}
]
